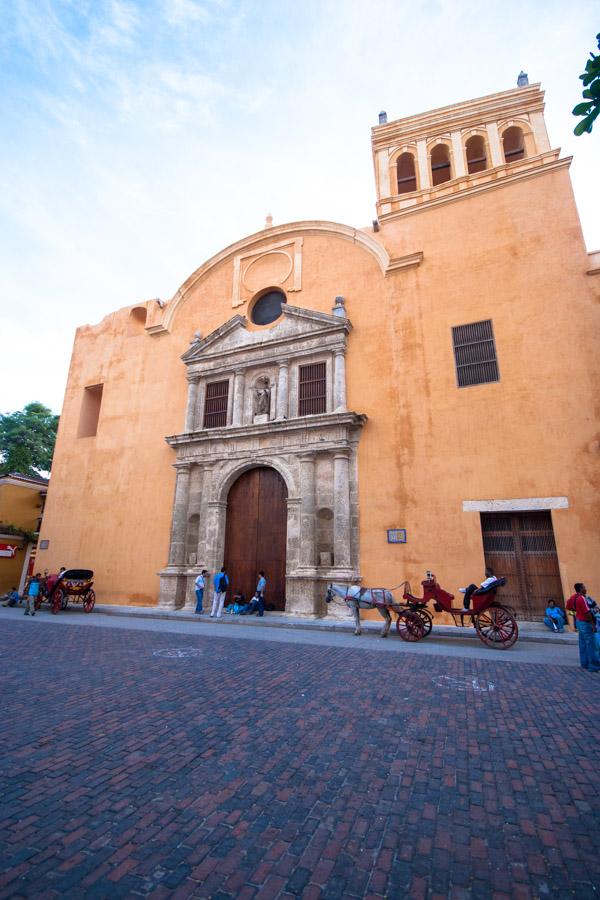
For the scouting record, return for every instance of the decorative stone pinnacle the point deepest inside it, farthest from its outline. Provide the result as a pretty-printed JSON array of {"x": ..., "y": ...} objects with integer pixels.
[{"x": 340, "y": 307}]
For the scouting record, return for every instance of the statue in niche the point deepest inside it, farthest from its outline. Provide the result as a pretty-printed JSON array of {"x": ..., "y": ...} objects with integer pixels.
[{"x": 262, "y": 398}]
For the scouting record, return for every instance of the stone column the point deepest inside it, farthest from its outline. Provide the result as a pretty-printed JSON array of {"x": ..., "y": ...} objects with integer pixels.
[
  {"x": 339, "y": 381},
  {"x": 307, "y": 510},
  {"x": 180, "y": 508},
  {"x": 341, "y": 509},
  {"x": 202, "y": 552},
  {"x": 423, "y": 165},
  {"x": 383, "y": 165},
  {"x": 459, "y": 156},
  {"x": 192, "y": 403},
  {"x": 282, "y": 391},
  {"x": 495, "y": 145},
  {"x": 238, "y": 397}
]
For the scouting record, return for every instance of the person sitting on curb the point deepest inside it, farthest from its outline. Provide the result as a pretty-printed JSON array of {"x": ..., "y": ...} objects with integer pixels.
[
  {"x": 586, "y": 628},
  {"x": 237, "y": 605},
  {"x": 257, "y": 604},
  {"x": 555, "y": 619},
  {"x": 12, "y": 598}
]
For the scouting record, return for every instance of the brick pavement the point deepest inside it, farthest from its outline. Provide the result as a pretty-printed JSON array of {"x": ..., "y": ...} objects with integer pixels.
[{"x": 272, "y": 770}]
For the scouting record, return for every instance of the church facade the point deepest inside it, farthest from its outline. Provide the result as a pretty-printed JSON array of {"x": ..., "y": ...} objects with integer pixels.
[{"x": 330, "y": 403}]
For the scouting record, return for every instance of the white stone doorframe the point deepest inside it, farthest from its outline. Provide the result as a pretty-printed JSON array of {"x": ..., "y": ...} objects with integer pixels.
[
  {"x": 305, "y": 579},
  {"x": 314, "y": 453}
]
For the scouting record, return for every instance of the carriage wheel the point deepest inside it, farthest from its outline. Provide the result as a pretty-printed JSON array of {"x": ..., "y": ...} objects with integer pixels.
[
  {"x": 37, "y": 603},
  {"x": 89, "y": 601},
  {"x": 56, "y": 602},
  {"x": 497, "y": 627},
  {"x": 427, "y": 620},
  {"x": 410, "y": 626}
]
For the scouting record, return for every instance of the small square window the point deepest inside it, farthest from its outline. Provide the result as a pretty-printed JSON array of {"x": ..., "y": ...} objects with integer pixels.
[{"x": 475, "y": 353}]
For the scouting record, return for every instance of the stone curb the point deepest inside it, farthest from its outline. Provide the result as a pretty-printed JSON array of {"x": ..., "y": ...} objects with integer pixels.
[{"x": 449, "y": 631}]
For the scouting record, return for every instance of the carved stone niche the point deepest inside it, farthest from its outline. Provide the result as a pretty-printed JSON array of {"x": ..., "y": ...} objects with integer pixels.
[{"x": 256, "y": 416}]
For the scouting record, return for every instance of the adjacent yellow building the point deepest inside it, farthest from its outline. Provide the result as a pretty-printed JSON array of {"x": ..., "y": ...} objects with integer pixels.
[
  {"x": 331, "y": 403},
  {"x": 21, "y": 505}
]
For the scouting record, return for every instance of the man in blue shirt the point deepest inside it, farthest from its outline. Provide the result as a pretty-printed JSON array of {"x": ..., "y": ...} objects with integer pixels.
[
  {"x": 260, "y": 592},
  {"x": 220, "y": 584},
  {"x": 554, "y": 618}
]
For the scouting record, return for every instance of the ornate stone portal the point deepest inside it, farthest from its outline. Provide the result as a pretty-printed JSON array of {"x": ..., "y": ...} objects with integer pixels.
[{"x": 269, "y": 397}]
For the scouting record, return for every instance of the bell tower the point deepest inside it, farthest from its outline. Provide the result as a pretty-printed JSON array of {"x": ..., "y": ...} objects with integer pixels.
[{"x": 441, "y": 155}]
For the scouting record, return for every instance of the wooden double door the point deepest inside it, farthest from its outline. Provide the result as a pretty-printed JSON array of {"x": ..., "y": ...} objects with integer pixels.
[
  {"x": 256, "y": 534},
  {"x": 521, "y": 547}
]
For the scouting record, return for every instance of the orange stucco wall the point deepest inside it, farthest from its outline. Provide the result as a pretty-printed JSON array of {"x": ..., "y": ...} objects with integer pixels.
[{"x": 514, "y": 254}]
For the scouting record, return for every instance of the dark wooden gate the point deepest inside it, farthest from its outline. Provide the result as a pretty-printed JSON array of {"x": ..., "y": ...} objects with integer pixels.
[
  {"x": 521, "y": 547},
  {"x": 256, "y": 533}
]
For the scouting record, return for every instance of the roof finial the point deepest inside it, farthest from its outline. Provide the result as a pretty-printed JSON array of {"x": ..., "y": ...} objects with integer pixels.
[
  {"x": 268, "y": 221},
  {"x": 523, "y": 79}
]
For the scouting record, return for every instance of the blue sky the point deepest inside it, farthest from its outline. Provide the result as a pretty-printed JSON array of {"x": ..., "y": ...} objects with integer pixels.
[{"x": 138, "y": 138}]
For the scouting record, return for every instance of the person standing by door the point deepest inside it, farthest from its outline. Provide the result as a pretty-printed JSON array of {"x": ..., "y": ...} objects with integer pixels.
[
  {"x": 261, "y": 586},
  {"x": 199, "y": 585},
  {"x": 220, "y": 584}
]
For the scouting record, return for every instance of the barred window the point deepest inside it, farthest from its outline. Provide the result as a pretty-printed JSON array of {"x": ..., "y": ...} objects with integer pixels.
[
  {"x": 313, "y": 392},
  {"x": 475, "y": 353},
  {"x": 215, "y": 406}
]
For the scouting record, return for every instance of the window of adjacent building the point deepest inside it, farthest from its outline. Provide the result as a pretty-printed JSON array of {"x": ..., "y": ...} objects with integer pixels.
[
  {"x": 475, "y": 353},
  {"x": 440, "y": 165},
  {"x": 215, "y": 404},
  {"x": 513, "y": 143},
  {"x": 90, "y": 410},
  {"x": 407, "y": 176},
  {"x": 312, "y": 389},
  {"x": 268, "y": 308},
  {"x": 476, "y": 155}
]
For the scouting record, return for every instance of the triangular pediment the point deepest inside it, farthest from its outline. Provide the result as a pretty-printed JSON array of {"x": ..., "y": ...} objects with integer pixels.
[{"x": 295, "y": 324}]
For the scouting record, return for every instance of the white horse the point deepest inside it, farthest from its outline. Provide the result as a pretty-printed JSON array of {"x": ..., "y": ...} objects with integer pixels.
[{"x": 358, "y": 598}]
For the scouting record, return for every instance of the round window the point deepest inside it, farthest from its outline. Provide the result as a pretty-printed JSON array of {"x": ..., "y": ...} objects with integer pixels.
[{"x": 267, "y": 308}]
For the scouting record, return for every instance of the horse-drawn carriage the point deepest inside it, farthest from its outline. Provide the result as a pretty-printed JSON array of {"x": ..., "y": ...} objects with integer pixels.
[
  {"x": 494, "y": 622},
  {"x": 70, "y": 585}
]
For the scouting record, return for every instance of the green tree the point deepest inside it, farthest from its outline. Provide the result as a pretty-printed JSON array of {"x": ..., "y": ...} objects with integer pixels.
[
  {"x": 27, "y": 439},
  {"x": 591, "y": 81}
]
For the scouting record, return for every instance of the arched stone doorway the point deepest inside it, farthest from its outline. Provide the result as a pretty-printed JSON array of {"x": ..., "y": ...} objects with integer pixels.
[{"x": 256, "y": 533}]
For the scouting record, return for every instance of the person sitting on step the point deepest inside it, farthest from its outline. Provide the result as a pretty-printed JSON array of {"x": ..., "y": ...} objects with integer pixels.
[{"x": 555, "y": 619}]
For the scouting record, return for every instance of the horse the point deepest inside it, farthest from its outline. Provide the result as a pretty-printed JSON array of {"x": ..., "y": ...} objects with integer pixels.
[{"x": 358, "y": 598}]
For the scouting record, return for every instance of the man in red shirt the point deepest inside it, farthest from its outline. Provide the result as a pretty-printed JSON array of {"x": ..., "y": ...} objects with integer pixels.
[{"x": 586, "y": 626}]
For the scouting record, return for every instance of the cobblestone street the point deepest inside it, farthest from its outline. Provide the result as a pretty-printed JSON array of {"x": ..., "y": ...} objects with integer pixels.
[{"x": 176, "y": 765}]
